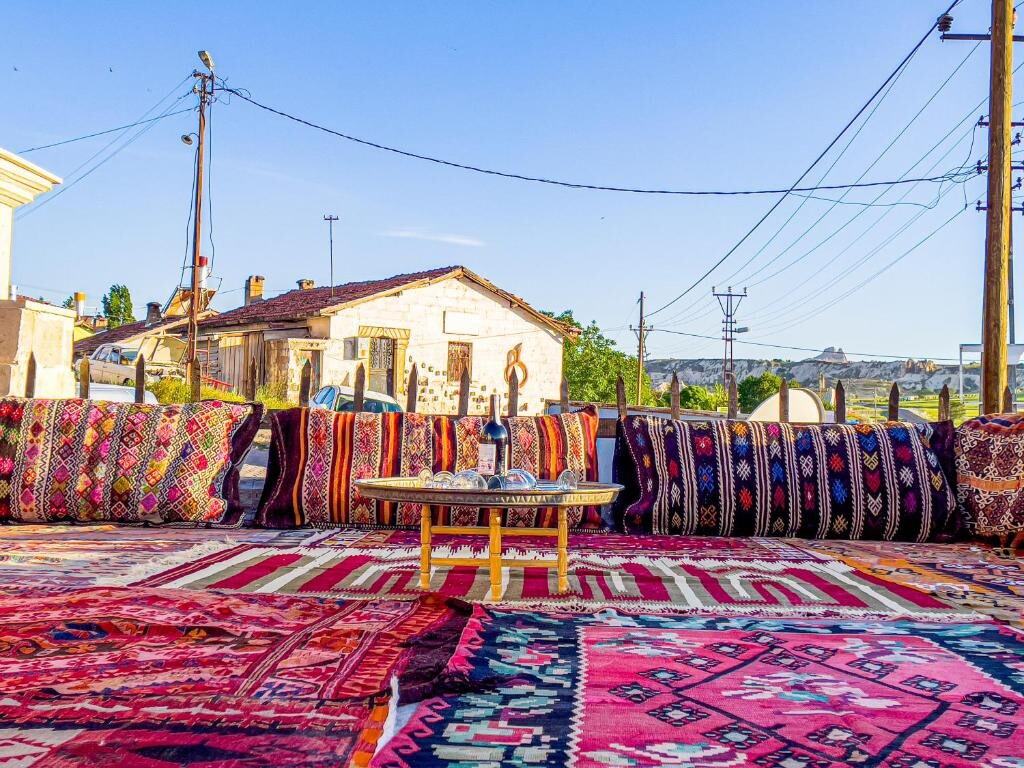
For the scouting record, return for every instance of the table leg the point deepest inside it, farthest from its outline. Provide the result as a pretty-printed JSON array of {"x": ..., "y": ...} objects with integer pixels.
[
  {"x": 425, "y": 546},
  {"x": 494, "y": 551},
  {"x": 563, "y": 550}
]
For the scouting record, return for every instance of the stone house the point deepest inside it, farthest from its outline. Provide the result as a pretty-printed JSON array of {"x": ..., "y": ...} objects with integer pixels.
[{"x": 442, "y": 320}]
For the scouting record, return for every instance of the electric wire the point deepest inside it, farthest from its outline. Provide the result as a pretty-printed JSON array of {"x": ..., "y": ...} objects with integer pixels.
[{"x": 104, "y": 133}]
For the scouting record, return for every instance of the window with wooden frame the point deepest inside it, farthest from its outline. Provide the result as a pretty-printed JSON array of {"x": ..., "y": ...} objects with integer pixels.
[{"x": 460, "y": 358}]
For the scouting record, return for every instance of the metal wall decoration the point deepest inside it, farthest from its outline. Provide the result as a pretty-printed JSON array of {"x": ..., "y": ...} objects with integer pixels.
[{"x": 515, "y": 363}]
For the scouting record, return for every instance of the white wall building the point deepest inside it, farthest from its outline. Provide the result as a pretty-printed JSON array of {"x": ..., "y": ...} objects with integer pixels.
[{"x": 441, "y": 320}]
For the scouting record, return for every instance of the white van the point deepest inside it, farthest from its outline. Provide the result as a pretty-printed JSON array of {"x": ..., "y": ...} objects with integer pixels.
[{"x": 115, "y": 363}]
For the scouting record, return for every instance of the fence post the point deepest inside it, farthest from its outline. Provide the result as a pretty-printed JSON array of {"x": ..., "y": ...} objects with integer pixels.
[
  {"x": 83, "y": 378},
  {"x": 944, "y": 403},
  {"x": 563, "y": 395},
  {"x": 673, "y": 396},
  {"x": 305, "y": 383},
  {"x": 30, "y": 376},
  {"x": 894, "y": 402},
  {"x": 840, "y": 404},
  {"x": 140, "y": 379},
  {"x": 620, "y": 397},
  {"x": 1007, "y": 400},
  {"x": 250, "y": 380},
  {"x": 784, "y": 402},
  {"x": 197, "y": 381},
  {"x": 412, "y": 390},
  {"x": 734, "y": 398},
  {"x": 513, "y": 394},
  {"x": 464, "y": 392},
  {"x": 359, "y": 390}
]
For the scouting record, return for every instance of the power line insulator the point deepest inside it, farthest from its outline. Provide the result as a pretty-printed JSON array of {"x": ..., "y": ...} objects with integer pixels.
[{"x": 945, "y": 22}]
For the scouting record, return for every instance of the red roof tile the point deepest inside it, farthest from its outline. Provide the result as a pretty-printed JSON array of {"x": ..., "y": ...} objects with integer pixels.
[{"x": 122, "y": 333}]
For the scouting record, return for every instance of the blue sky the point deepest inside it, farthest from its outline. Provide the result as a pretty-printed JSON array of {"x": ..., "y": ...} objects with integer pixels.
[{"x": 690, "y": 95}]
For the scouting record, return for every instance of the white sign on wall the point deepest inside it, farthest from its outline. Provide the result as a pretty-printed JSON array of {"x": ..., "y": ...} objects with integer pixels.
[{"x": 461, "y": 323}]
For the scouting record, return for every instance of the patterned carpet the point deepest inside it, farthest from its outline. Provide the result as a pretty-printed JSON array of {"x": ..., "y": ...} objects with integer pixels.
[{"x": 616, "y": 690}]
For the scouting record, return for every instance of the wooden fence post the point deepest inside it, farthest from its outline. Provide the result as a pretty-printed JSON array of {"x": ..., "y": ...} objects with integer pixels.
[
  {"x": 563, "y": 395},
  {"x": 305, "y": 383},
  {"x": 1007, "y": 400},
  {"x": 673, "y": 396},
  {"x": 620, "y": 397},
  {"x": 250, "y": 381},
  {"x": 30, "y": 376},
  {"x": 464, "y": 392},
  {"x": 894, "y": 402},
  {"x": 944, "y": 403},
  {"x": 839, "y": 405},
  {"x": 734, "y": 398},
  {"x": 83, "y": 378},
  {"x": 784, "y": 402},
  {"x": 359, "y": 390},
  {"x": 197, "y": 382},
  {"x": 513, "y": 394},
  {"x": 412, "y": 390},
  {"x": 140, "y": 379}
]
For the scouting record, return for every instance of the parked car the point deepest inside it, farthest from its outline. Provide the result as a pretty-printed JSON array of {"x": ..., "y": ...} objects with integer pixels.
[
  {"x": 114, "y": 393},
  {"x": 115, "y": 363},
  {"x": 342, "y": 399}
]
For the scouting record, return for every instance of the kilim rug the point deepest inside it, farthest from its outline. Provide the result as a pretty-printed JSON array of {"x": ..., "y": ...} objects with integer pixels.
[
  {"x": 657, "y": 581},
  {"x": 137, "y": 677},
  {"x": 610, "y": 689}
]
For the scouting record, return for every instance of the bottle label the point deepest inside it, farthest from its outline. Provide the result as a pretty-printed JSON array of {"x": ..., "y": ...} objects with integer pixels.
[{"x": 487, "y": 459}]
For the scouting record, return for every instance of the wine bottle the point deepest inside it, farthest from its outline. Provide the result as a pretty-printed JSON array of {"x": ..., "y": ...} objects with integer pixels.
[{"x": 493, "y": 453}]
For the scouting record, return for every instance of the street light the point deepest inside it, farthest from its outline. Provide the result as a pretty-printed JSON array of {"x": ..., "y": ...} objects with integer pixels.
[{"x": 207, "y": 59}]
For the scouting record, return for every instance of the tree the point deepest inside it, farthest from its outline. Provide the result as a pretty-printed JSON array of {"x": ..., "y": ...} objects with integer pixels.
[
  {"x": 591, "y": 364},
  {"x": 754, "y": 390},
  {"x": 69, "y": 303},
  {"x": 117, "y": 306}
]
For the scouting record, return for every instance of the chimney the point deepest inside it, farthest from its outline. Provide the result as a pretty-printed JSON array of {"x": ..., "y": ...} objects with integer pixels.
[
  {"x": 153, "y": 313},
  {"x": 79, "y": 305},
  {"x": 253, "y": 289},
  {"x": 305, "y": 284}
]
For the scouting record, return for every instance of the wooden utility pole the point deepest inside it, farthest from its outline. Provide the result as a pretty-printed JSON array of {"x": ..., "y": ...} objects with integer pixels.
[
  {"x": 641, "y": 336},
  {"x": 204, "y": 87},
  {"x": 997, "y": 227}
]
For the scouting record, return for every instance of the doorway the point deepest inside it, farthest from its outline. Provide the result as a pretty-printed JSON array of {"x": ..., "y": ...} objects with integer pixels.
[{"x": 382, "y": 365}]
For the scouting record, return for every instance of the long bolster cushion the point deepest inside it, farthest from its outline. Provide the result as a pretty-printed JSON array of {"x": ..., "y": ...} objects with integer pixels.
[
  {"x": 76, "y": 460},
  {"x": 990, "y": 473},
  {"x": 738, "y": 478},
  {"x": 316, "y": 456}
]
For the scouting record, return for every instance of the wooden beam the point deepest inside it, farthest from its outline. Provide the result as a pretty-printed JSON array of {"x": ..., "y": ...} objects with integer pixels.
[
  {"x": 1007, "y": 400},
  {"x": 464, "y": 392},
  {"x": 563, "y": 396},
  {"x": 30, "y": 376},
  {"x": 197, "y": 381},
  {"x": 673, "y": 397},
  {"x": 250, "y": 381},
  {"x": 620, "y": 397},
  {"x": 513, "y": 394},
  {"x": 359, "y": 390},
  {"x": 894, "y": 402},
  {"x": 305, "y": 383},
  {"x": 944, "y": 403},
  {"x": 840, "y": 403},
  {"x": 83, "y": 378},
  {"x": 734, "y": 398},
  {"x": 412, "y": 389},
  {"x": 140, "y": 379},
  {"x": 784, "y": 402}
]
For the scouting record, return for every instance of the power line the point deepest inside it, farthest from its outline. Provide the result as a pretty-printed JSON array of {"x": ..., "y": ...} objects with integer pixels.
[
  {"x": 795, "y": 186},
  {"x": 104, "y": 133},
  {"x": 573, "y": 185}
]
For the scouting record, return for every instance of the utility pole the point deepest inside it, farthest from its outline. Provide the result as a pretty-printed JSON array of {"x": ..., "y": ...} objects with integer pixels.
[
  {"x": 641, "y": 336},
  {"x": 204, "y": 87},
  {"x": 729, "y": 302},
  {"x": 330, "y": 218}
]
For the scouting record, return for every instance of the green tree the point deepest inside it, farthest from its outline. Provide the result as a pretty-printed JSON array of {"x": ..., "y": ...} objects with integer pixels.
[
  {"x": 117, "y": 306},
  {"x": 754, "y": 390},
  {"x": 591, "y": 364},
  {"x": 69, "y": 303}
]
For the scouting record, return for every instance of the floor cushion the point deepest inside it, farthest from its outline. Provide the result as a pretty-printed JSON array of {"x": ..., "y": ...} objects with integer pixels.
[
  {"x": 990, "y": 473},
  {"x": 316, "y": 455},
  {"x": 90, "y": 461},
  {"x": 738, "y": 478}
]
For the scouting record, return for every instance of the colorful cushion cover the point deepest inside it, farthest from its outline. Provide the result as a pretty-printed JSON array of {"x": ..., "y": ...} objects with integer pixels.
[
  {"x": 990, "y": 473},
  {"x": 88, "y": 461},
  {"x": 316, "y": 455},
  {"x": 738, "y": 478}
]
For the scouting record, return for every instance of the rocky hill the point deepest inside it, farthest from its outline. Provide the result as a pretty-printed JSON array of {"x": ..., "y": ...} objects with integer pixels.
[{"x": 911, "y": 375}]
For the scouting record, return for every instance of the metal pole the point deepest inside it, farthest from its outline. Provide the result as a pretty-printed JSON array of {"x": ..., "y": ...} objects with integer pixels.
[
  {"x": 330, "y": 218},
  {"x": 193, "y": 310},
  {"x": 997, "y": 230},
  {"x": 641, "y": 336}
]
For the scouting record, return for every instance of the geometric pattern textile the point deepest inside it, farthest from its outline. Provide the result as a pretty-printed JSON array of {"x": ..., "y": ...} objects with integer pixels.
[
  {"x": 161, "y": 678},
  {"x": 317, "y": 455},
  {"x": 990, "y": 473},
  {"x": 821, "y": 481},
  {"x": 88, "y": 460},
  {"x": 613, "y": 689}
]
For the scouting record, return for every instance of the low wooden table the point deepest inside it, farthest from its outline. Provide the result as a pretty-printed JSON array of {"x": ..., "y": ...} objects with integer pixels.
[{"x": 412, "y": 490}]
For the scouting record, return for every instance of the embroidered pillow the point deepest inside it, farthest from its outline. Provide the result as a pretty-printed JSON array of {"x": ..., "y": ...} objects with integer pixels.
[
  {"x": 89, "y": 460},
  {"x": 990, "y": 473},
  {"x": 317, "y": 455},
  {"x": 738, "y": 478}
]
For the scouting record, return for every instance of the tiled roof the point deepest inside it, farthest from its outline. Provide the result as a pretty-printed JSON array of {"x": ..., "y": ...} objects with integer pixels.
[
  {"x": 122, "y": 333},
  {"x": 299, "y": 304}
]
